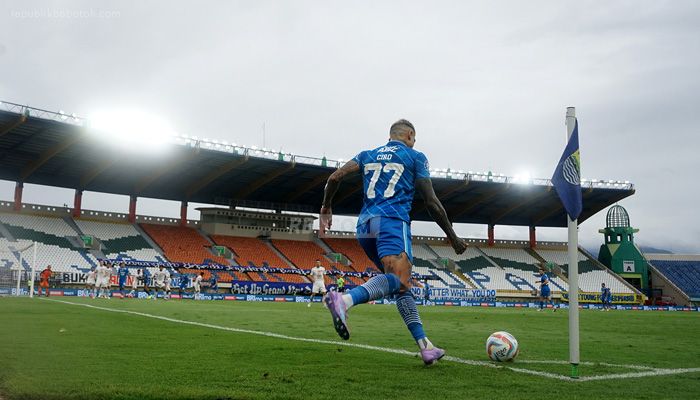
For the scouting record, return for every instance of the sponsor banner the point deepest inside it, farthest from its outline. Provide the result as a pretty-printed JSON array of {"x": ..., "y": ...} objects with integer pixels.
[
  {"x": 269, "y": 288},
  {"x": 285, "y": 298},
  {"x": 617, "y": 298},
  {"x": 455, "y": 294},
  {"x": 13, "y": 292},
  {"x": 237, "y": 268}
]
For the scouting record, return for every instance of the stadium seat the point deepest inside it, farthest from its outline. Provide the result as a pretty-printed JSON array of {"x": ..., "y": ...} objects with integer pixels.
[
  {"x": 302, "y": 253},
  {"x": 182, "y": 244},
  {"x": 518, "y": 259},
  {"x": 684, "y": 274},
  {"x": 351, "y": 249},
  {"x": 120, "y": 240},
  {"x": 53, "y": 248},
  {"x": 250, "y": 250},
  {"x": 422, "y": 254}
]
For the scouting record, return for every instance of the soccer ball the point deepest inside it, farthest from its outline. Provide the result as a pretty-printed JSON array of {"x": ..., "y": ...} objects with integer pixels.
[{"x": 502, "y": 346}]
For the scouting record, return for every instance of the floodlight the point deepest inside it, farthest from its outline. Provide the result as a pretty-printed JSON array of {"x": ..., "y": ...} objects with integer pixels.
[
  {"x": 132, "y": 128},
  {"x": 523, "y": 177}
]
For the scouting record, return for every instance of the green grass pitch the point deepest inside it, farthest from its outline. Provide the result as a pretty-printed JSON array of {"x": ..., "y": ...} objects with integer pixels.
[{"x": 50, "y": 350}]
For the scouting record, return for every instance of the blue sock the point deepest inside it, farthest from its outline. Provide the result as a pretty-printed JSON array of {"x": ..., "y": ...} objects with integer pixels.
[
  {"x": 541, "y": 304},
  {"x": 407, "y": 308},
  {"x": 375, "y": 288}
]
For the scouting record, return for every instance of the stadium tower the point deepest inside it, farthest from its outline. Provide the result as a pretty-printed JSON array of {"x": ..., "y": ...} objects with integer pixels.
[{"x": 619, "y": 253}]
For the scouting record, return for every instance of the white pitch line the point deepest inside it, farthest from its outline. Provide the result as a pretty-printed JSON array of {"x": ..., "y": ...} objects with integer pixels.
[
  {"x": 655, "y": 372},
  {"x": 589, "y": 364},
  {"x": 649, "y": 370}
]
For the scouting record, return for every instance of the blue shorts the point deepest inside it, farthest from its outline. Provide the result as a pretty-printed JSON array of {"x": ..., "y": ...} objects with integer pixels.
[
  {"x": 545, "y": 292},
  {"x": 382, "y": 236}
]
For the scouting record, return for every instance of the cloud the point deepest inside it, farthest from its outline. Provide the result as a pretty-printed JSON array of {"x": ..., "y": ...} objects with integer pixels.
[{"x": 485, "y": 83}]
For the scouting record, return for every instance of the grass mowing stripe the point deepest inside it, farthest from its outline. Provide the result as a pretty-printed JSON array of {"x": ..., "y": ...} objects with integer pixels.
[
  {"x": 318, "y": 341},
  {"x": 647, "y": 371}
]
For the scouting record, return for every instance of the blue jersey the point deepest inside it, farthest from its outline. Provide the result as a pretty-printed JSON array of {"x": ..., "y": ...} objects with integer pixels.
[
  {"x": 605, "y": 294},
  {"x": 146, "y": 277},
  {"x": 184, "y": 280},
  {"x": 389, "y": 174},
  {"x": 544, "y": 280},
  {"x": 212, "y": 281},
  {"x": 123, "y": 273}
]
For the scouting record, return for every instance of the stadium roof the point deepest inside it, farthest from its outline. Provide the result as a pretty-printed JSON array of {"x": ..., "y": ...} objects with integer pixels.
[{"x": 56, "y": 149}]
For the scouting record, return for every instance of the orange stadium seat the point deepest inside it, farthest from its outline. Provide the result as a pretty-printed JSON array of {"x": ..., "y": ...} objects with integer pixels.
[
  {"x": 293, "y": 278},
  {"x": 250, "y": 250},
  {"x": 303, "y": 253},
  {"x": 182, "y": 244},
  {"x": 353, "y": 251}
]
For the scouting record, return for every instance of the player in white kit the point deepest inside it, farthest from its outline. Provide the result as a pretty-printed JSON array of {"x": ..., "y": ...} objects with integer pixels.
[
  {"x": 160, "y": 278},
  {"x": 168, "y": 278},
  {"x": 198, "y": 285},
  {"x": 317, "y": 274},
  {"x": 90, "y": 282},
  {"x": 104, "y": 273},
  {"x": 135, "y": 284}
]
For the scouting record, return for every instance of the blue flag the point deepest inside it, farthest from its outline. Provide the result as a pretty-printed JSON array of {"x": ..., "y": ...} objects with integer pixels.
[{"x": 567, "y": 177}]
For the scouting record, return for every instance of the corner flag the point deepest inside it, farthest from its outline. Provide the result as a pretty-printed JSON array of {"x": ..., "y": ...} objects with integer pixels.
[{"x": 567, "y": 177}]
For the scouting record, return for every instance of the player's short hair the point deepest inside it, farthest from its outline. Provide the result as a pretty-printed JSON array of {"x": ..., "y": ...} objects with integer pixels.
[{"x": 400, "y": 127}]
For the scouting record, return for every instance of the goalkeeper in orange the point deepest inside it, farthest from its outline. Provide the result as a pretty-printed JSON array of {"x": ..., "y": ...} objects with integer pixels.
[{"x": 44, "y": 277}]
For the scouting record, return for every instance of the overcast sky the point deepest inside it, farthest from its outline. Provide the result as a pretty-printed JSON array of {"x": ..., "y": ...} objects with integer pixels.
[{"x": 485, "y": 83}]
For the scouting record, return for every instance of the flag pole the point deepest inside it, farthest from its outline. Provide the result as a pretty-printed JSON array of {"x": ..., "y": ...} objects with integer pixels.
[{"x": 573, "y": 269}]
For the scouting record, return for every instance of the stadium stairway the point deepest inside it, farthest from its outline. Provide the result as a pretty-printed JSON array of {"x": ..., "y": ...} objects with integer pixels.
[
  {"x": 352, "y": 250},
  {"x": 71, "y": 222},
  {"x": 249, "y": 251},
  {"x": 468, "y": 282},
  {"x": 117, "y": 240},
  {"x": 535, "y": 255},
  {"x": 182, "y": 244},
  {"x": 667, "y": 286},
  {"x": 151, "y": 243},
  {"x": 684, "y": 274},
  {"x": 6, "y": 234}
]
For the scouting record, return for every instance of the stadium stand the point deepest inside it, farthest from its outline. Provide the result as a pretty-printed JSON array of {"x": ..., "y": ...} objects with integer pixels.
[
  {"x": 351, "y": 249},
  {"x": 685, "y": 274},
  {"x": 9, "y": 257},
  {"x": 590, "y": 274},
  {"x": 303, "y": 254},
  {"x": 250, "y": 250},
  {"x": 514, "y": 258},
  {"x": 51, "y": 233},
  {"x": 502, "y": 268},
  {"x": 182, "y": 244},
  {"x": 441, "y": 278},
  {"x": 429, "y": 273},
  {"x": 253, "y": 251},
  {"x": 121, "y": 241},
  {"x": 559, "y": 257},
  {"x": 472, "y": 259}
]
